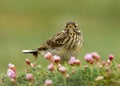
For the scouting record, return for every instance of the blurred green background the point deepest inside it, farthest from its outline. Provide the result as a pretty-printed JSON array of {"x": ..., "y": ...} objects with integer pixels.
[{"x": 25, "y": 24}]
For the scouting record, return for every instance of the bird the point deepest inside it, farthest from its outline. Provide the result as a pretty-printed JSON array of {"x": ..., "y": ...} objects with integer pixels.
[{"x": 65, "y": 44}]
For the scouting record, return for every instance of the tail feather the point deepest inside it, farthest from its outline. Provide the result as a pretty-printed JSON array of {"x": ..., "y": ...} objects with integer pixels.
[
  {"x": 29, "y": 51},
  {"x": 34, "y": 52}
]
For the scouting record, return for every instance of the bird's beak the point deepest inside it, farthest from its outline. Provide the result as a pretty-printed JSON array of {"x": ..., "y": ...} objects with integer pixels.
[{"x": 70, "y": 26}]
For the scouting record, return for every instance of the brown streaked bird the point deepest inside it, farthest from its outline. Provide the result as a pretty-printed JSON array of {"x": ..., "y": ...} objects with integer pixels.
[{"x": 64, "y": 44}]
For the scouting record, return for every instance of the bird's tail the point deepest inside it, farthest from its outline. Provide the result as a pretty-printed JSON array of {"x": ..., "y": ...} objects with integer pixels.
[{"x": 34, "y": 52}]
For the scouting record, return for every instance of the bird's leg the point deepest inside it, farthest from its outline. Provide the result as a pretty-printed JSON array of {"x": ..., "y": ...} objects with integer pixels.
[{"x": 35, "y": 54}]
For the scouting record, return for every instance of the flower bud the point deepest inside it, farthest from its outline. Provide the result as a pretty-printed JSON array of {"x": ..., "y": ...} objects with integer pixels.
[
  {"x": 51, "y": 67},
  {"x": 77, "y": 62},
  {"x": 111, "y": 57},
  {"x": 72, "y": 61},
  {"x": 103, "y": 63},
  {"x": 48, "y": 82},
  {"x": 91, "y": 61},
  {"x": 27, "y": 61},
  {"x": 62, "y": 70},
  {"x": 56, "y": 59},
  {"x": 12, "y": 67},
  {"x": 88, "y": 57},
  {"x": 48, "y": 55},
  {"x": 96, "y": 56},
  {"x": 29, "y": 77},
  {"x": 11, "y": 74}
]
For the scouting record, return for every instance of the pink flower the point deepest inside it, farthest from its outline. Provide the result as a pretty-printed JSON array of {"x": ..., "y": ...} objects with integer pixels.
[
  {"x": 29, "y": 76},
  {"x": 56, "y": 59},
  {"x": 91, "y": 61},
  {"x": 77, "y": 62},
  {"x": 89, "y": 58},
  {"x": 96, "y": 56},
  {"x": 48, "y": 55},
  {"x": 72, "y": 61},
  {"x": 62, "y": 69},
  {"x": 27, "y": 61},
  {"x": 111, "y": 57},
  {"x": 12, "y": 67},
  {"x": 103, "y": 63},
  {"x": 11, "y": 74},
  {"x": 48, "y": 82},
  {"x": 51, "y": 67}
]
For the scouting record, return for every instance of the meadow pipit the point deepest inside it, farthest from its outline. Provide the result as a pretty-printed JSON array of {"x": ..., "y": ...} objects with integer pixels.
[{"x": 65, "y": 44}]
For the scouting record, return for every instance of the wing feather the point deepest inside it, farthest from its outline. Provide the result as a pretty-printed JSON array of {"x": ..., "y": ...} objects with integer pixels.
[{"x": 57, "y": 40}]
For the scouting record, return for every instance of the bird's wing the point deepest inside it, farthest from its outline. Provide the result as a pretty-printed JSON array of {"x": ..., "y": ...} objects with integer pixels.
[{"x": 57, "y": 40}]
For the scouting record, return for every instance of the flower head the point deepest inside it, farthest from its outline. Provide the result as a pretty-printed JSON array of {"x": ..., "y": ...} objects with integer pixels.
[
  {"x": 11, "y": 74},
  {"x": 91, "y": 61},
  {"x": 72, "y": 60},
  {"x": 111, "y": 57},
  {"x": 62, "y": 69},
  {"x": 103, "y": 63},
  {"x": 89, "y": 58},
  {"x": 48, "y": 55},
  {"x": 51, "y": 67},
  {"x": 56, "y": 59},
  {"x": 29, "y": 76},
  {"x": 12, "y": 67},
  {"x": 96, "y": 56},
  {"x": 27, "y": 61},
  {"x": 77, "y": 62},
  {"x": 48, "y": 82}
]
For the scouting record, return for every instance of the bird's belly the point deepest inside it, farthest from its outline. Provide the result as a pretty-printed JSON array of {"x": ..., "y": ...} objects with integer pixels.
[
  {"x": 63, "y": 52},
  {"x": 66, "y": 54}
]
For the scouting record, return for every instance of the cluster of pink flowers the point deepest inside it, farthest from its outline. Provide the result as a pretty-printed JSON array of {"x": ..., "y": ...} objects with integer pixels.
[
  {"x": 54, "y": 63},
  {"x": 90, "y": 57},
  {"x": 73, "y": 61},
  {"x": 29, "y": 76},
  {"x": 11, "y": 72}
]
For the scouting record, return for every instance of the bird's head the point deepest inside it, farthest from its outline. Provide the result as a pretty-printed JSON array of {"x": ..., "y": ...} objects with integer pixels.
[{"x": 71, "y": 27}]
